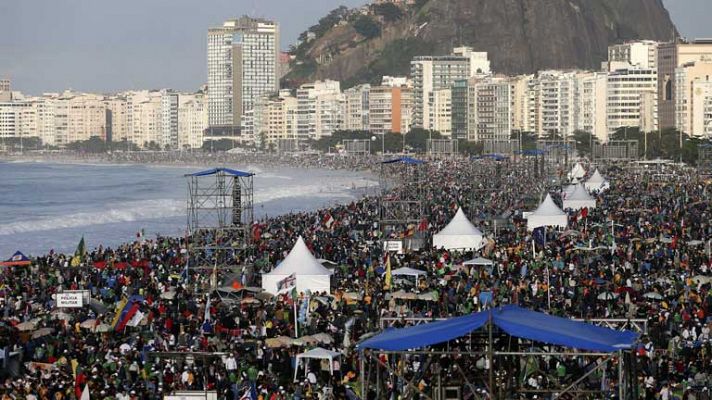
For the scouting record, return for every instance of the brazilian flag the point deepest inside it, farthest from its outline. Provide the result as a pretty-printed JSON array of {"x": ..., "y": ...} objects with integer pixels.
[{"x": 79, "y": 253}]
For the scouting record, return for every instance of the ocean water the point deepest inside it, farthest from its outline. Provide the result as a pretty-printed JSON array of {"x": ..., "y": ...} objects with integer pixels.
[{"x": 46, "y": 206}]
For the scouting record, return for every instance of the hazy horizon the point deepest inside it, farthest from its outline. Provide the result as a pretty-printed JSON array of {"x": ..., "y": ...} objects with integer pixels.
[{"x": 107, "y": 47}]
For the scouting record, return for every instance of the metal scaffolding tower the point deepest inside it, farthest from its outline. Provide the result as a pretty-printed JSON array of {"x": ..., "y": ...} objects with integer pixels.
[{"x": 220, "y": 217}]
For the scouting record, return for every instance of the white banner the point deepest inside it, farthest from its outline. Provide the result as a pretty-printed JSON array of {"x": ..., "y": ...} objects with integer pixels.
[
  {"x": 393, "y": 245},
  {"x": 70, "y": 300}
]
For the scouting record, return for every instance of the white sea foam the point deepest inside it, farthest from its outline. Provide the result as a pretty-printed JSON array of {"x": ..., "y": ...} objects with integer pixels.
[{"x": 167, "y": 208}]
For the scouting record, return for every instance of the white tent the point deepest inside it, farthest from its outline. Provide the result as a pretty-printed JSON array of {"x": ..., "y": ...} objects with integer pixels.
[
  {"x": 596, "y": 182},
  {"x": 407, "y": 271},
  {"x": 319, "y": 354},
  {"x": 568, "y": 191},
  {"x": 459, "y": 234},
  {"x": 547, "y": 214},
  {"x": 577, "y": 172},
  {"x": 579, "y": 199},
  {"x": 310, "y": 274}
]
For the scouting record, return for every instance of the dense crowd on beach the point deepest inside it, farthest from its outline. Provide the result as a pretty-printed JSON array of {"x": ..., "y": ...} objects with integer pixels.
[{"x": 642, "y": 253}]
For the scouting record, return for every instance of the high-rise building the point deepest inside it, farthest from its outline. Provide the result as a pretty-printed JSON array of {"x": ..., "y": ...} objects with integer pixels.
[
  {"x": 691, "y": 82},
  {"x": 626, "y": 88},
  {"x": 4, "y": 85},
  {"x": 431, "y": 74},
  {"x": 192, "y": 120},
  {"x": 169, "y": 119},
  {"x": 670, "y": 57},
  {"x": 276, "y": 118},
  {"x": 557, "y": 102},
  {"x": 490, "y": 111},
  {"x": 243, "y": 59},
  {"x": 319, "y": 109},
  {"x": 440, "y": 106},
  {"x": 593, "y": 103},
  {"x": 386, "y": 109},
  {"x": 356, "y": 106}
]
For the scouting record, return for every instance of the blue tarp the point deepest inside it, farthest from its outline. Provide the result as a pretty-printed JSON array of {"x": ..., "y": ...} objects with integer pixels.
[
  {"x": 17, "y": 259},
  {"x": 494, "y": 156},
  {"x": 513, "y": 320},
  {"x": 404, "y": 160},
  {"x": 425, "y": 334},
  {"x": 228, "y": 171},
  {"x": 531, "y": 152}
]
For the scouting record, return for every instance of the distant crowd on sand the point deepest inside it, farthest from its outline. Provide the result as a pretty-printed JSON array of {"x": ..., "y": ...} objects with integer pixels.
[
  {"x": 302, "y": 160},
  {"x": 642, "y": 252}
]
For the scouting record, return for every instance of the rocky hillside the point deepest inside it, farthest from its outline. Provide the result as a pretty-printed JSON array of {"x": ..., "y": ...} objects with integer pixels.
[{"x": 521, "y": 36}]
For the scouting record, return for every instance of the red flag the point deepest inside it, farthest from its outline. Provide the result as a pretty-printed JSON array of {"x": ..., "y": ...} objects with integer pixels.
[
  {"x": 100, "y": 264},
  {"x": 256, "y": 232},
  {"x": 328, "y": 220},
  {"x": 423, "y": 226},
  {"x": 584, "y": 213}
]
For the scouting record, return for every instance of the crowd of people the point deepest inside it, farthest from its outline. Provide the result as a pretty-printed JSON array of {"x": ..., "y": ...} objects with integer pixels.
[{"x": 642, "y": 253}]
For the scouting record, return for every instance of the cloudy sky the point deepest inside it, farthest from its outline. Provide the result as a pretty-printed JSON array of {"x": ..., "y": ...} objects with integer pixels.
[{"x": 108, "y": 45}]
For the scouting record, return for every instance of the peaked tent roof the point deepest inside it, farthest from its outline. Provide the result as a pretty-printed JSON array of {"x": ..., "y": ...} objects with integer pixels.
[
  {"x": 320, "y": 353},
  {"x": 460, "y": 225},
  {"x": 596, "y": 177},
  {"x": 300, "y": 261},
  {"x": 580, "y": 193},
  {"x": 577, "y": 171},
  {"x": 515, "y": 321},
  {"x": 548, "y": 208},
  {"x": 479, "y": 261},
  {"x": 228, "y": 171}
]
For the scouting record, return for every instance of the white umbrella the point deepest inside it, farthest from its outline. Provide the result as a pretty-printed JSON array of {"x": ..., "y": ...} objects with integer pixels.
[
  {"x": 102, "y": 328},
  {"x": 701, "y": 279},
  {"x": 88, "y": 324},
  {"x": 27, "y": 326},
  {"x": 607, "y": 296},
  {"x": 41, "y": 333},
  {"x": 653, "y": 295},
  {"x": 169, "y": 295}
]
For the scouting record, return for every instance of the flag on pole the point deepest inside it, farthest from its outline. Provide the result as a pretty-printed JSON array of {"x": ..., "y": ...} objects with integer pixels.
[
  {"x": 85, "y": 393},
  {"x": 136, "y": 319},
  {"x": 389, "y": 277},
  {"x": 328, "y": 220},
  {"x": 79, "y": 253}
]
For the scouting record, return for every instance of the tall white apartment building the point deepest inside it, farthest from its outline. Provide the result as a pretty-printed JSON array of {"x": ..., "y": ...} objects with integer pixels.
[
  {"x": 16, "y": 118},
  {"x": 192, "y": 120},
  {"x": 78, "y": 117},
  {"x": 117, "y": 117},
  {"x": 356, "y": 107},
  {"x": 691, "y": 91},
  {"x": 145, "y": 117},
  {"x": 440, "y": 108},
  {"x": 625, "y": 90},
  {"x": 431, "y": 74},
  {"x": 4, "y": 85},
  {"x": 169, "y": 119},
  {"x": 276, "y": 118},
  {"x": 319, "y": 109},
  {"x": 557, "y": 102},
  {"x": 593, "y": 103},
  {"x": 489, "y": 109},
  {"x": 242, "y": 67}
]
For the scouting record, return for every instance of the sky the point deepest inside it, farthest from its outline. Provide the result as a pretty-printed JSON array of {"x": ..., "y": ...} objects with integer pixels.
[{"x": 108, "y": 46}]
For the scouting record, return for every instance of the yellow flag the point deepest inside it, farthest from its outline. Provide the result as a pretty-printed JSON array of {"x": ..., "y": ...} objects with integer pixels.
[
  {"x": 119, "y": 307},
  {"x": 76, "y": 260},
  {"x": 387, "y": 285},
  {"x": 74, "y": 364}
]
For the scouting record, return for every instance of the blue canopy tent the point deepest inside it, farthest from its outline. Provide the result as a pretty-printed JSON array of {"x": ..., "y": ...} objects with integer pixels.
[
  {"x": 513, "y": 320},
  {"x": 494, "y": 156},
  {"x": 227, "y": 171},
  {"x": 404, "y": 160},
  {"x": 603, "y": 344}
]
